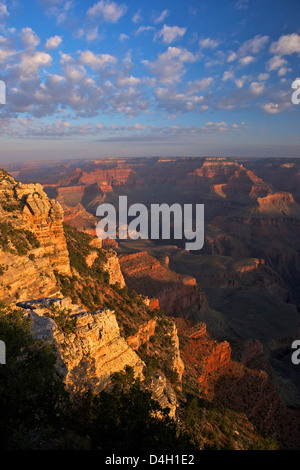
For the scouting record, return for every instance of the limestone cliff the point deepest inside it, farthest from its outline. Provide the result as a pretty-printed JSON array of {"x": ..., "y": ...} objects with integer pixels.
[
  {"x": 90, "y": 350},
  {"x": 33, "y": 245}
]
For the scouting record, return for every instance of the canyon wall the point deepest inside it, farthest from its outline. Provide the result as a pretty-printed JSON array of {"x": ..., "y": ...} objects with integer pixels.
[{"x": 176, "y": 293}]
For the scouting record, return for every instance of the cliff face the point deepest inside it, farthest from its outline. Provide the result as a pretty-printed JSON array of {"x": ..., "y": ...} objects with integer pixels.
[
  {"x": 277, "y": 203},
  {"x": 202, "y": 355},
  {"x": 217, "y": 358},
  {"x": 176, "y": 293},
  {"x": 107, "y": 178},
  {"x": 79, "y": 218},
  {"x": 33, "y": 245},
  {"x": 92, "y": 351},
  {"x": 143, "y": 335}
]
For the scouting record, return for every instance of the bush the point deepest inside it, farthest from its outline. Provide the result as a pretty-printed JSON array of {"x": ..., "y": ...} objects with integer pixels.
[{"x": 128, "y": 416}]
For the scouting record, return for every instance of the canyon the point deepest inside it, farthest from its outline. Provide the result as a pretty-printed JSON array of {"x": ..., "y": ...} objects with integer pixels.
[{"x": 233, "y": 306}]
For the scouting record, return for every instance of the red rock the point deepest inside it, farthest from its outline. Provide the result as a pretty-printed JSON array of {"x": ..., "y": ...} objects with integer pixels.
[{"x": 145, "y": 274}]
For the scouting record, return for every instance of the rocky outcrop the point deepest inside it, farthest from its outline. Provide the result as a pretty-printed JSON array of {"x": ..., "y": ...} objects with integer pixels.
[
  {"x": 178, "y": 364},
  {"x": 91, "y": 352},
  {"x": 277, "y": 203},
  {"x": 214, "y": 359},
  {"x": 112, "y": 266},
  {"x": 33, "y": 244},
  {"x": 143, "y": 335},
  {"x": 163, "y": 393},
  {"x": 44, "y": 217}
]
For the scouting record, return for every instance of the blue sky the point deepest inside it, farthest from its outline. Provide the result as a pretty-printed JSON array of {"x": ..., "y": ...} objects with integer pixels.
[{"x": 89, "y": 79}]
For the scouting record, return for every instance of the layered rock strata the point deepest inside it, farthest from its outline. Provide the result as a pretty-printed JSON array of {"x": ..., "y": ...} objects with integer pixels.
[
  {"x": 175, "y": 292},
  {"x": 92, "y": 351}
]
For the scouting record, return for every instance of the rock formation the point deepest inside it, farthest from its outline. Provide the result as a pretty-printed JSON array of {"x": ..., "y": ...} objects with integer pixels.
[
  {"x": 112, "y": 266},
  {"x": 92, "y": 351},
  {"x": 143, "y": 335},
  {"x": 176, "y": 293},
  {"x": 33, "y": 244},
  {"x": 277, "y": 203}
]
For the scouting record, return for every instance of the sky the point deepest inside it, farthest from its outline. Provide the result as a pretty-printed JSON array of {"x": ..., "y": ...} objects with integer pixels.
[{"x": 92, "y": 79}]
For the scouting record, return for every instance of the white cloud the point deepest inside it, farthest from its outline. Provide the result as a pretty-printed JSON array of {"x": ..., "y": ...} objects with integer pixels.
[
  {"x": 108, "y": 11},
  {"x": 31, "y": 62},
  {"x": 161, "y": 17},
  {"x": 175, "y": 102},
  {"x": 96, "y": 61},
  {"x": 53, "y": 43},
  {"x": 139, "y": 127},
  {"x": 228, "y": 75},
  {"x": 253, "y": 46},
  {"x": 257, "y": 88},
  {"x": 92, "y": 34},
  {"x": 74, "y": 73},
  {"x": 283, "y": 71},
  {"x": 128, "y": 81},
  {"x": 199, "y": 85},
  {"x": 29, "y": 38},
  {"x": 287, "y": 44},
  {"x": 169, "y": 65},
  {"x": 271, "y": 108},
  {"x": 60, "y": 9},
  {"x": 3, "y": 10},
  {"x": 240, "y": 82},
  {"x": 232, "y": 57},
  {"x": 208, "y": 43},
  {"x": 171, "y": 33},
  {"x": 263, "y": 76},
  {"x": 246, "y": 60},
  {"x": 137, "y": 17},
  {"x": 123, "y": 36},
  {"x": 142, "y": 29},
  {"x": 276, "y": 62}
]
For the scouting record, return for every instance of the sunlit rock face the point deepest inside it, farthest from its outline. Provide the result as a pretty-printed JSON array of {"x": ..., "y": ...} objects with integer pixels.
[
  {"x": 91, "y": 350},
  {"x": 33, "y": 244}
]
